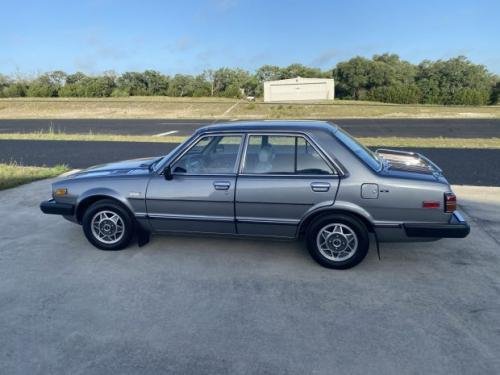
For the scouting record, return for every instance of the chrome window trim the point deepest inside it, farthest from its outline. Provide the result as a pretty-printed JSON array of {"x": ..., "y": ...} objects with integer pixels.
[
  {"x": 336, "y": 171},
  {"x": 199, "y": 138}
]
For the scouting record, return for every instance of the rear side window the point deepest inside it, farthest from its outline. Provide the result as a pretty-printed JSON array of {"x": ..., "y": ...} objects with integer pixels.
[{"x": 289, "y": 155}]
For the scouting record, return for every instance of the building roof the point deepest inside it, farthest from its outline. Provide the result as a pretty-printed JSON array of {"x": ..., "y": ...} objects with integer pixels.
[{"x": 300, "y": 80}]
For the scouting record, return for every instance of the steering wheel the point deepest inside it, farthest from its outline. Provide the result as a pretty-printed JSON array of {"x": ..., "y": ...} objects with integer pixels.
[{"x": 195, "y": 164}]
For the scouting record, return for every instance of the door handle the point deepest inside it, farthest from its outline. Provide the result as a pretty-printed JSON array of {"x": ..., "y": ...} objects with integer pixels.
[
  {"x": 320, "y": 186},
  {"x": 222, "y": 185}
]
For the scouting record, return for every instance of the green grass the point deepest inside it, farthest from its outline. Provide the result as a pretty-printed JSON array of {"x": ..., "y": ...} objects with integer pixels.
[
  {"x": 12, "y": 175},
  {"x": 436, "y": 142},
  {"x": 220, "y": 108}
]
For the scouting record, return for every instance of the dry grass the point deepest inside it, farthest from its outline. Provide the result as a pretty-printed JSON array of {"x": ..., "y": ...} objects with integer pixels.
[
  {"x": 212, "y": 108},
  {"x": 437, "y": 142},
  {"x": 12, "y": 175}
]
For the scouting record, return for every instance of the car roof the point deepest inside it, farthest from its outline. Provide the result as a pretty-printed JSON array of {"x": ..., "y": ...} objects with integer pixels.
[{"x": 271, "y": 125}]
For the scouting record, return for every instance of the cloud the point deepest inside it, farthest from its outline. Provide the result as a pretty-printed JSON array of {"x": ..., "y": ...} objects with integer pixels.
[
  {"x": 98, "y": 49},
  {"x": 224, "y": 5},
  {"x": 325, "y": 58},
  {"x": 182, "y": 44}
]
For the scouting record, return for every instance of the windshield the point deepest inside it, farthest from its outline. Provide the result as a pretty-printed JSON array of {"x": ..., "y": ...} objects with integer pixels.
[
  {"x": 362, "y": 152},
  {"x": 157, "y": 163}
]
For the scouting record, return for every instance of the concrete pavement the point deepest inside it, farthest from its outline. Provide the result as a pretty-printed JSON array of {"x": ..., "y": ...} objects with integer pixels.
[{"x": 226, "y": 306}]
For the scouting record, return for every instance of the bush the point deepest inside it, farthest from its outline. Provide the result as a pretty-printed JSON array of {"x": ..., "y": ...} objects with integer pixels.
[
  {"x": 232, "y": 91},
  {"x": 495, "y": 94},
  {"x": 15, "y": 90},
  {"x": 119, "y": 93},
  {"x": 401, "y": 94},
  {"x": 41, "y": 90},
  {"x": 468, "y": 96}
]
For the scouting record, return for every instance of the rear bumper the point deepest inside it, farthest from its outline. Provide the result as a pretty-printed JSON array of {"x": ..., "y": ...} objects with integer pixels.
[
  {"x": 457, "y": 227},
  {"x": 54, "y": 208}
]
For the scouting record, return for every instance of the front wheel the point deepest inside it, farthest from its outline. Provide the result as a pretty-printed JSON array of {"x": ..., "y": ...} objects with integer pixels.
[
  {"x": 107, "y": 225},
  {"x": 337, "y": 241}
]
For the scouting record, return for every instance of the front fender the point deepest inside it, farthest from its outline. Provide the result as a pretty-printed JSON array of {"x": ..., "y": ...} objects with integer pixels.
[
  {"x": 89, "y": 196},
  {"x": 105, "y": 192}
]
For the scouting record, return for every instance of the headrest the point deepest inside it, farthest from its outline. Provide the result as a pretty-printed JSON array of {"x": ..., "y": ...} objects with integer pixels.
[{"x": 265, "y": 154}]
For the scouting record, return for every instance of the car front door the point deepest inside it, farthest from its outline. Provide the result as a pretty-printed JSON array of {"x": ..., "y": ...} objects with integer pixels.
[
  {"x": 281, "y": 178},
  {"x": 199, "y": 197}
]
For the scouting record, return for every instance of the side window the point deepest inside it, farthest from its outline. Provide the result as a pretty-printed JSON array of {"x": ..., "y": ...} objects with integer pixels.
[
  {"x": 308, "y": 159},
  {"x": 210, "y": 155},
  {"x": 283, "y": 155}
]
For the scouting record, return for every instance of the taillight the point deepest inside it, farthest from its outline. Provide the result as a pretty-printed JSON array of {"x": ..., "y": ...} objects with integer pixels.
[
  {"x": 431, "y": 204},
  {"x": 450, "y": 202}
]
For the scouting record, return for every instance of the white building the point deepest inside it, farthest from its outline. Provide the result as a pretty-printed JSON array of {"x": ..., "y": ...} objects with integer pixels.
[{"x": 308, "y": 89}]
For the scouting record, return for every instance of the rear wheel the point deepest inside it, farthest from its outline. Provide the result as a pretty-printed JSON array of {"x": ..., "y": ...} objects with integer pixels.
[
  {"x": 108, "y": 225},
  {"x": 337, "y": 241}
]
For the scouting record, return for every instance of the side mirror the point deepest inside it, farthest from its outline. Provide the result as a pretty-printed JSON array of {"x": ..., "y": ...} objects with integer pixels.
[{"x": 167, "y": 173}]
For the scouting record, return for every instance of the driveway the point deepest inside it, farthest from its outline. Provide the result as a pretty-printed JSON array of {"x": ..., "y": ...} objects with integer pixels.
[{"x": 226, "y": 306}]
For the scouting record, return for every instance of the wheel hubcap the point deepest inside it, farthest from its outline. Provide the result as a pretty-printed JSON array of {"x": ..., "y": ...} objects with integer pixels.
[
  {"x": 337, "y": 242},
  {"x": 108, "y": 227}
]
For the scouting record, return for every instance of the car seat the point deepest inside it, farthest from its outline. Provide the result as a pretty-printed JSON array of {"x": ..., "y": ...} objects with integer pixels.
[{"x": 266, "y": 156}]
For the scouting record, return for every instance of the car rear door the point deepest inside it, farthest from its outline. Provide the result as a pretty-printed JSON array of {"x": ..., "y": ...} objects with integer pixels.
[
  {"x": 282, "y": 177},
  {"x": 200, "y": 195}
]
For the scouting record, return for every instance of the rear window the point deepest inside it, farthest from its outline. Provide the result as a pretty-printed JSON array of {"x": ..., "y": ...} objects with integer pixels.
[{"x": 361, "y": 151}]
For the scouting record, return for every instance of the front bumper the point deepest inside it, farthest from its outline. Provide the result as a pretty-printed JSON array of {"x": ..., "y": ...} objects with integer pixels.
[
  {"x": 54, "y": 208},
  {"x": 457, "y": 227}
]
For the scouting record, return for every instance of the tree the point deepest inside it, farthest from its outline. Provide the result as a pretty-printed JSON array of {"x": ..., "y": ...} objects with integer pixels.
[
  {"x": 75, "y": 77},
  {"x": 299, "y": 70},
  {"x": 268, "y": 73},
  {"x": 181, "y": 85},
  {"x": 133, "y": 82},
  {"x": 228, "y": 82},
  {"x": 208, "y": 75},
  {"x": 201, "y": 86},
  {"x": 495, "y": 94},
  {"x": 156, "y": 83},
  {"x": 4, "y": 84},
  {"x": 352, "y": 77},
  {"x": 46, "y": 85},
  {"x": 454, "y": 81}
]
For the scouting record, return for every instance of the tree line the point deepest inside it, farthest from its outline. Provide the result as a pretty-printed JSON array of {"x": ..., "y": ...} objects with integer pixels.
[{"x": 383, "y": 78}]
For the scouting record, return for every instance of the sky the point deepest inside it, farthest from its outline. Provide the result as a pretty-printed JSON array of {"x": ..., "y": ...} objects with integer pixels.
[{"x": 188, "y": 36}]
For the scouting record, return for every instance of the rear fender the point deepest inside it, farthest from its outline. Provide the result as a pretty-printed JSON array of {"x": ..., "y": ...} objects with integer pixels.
[{"x": 337, "y": 207}]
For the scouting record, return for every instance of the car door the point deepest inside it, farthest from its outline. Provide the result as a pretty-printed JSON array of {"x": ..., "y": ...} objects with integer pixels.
[
  {"x": 199, "y": 197},
  {"x": 281, "y": 178}
]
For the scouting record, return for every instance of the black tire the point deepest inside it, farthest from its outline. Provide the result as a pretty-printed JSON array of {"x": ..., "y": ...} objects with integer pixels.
[
  {"x": 354, "y": 224},
  {"x": 110, "y": 206}
]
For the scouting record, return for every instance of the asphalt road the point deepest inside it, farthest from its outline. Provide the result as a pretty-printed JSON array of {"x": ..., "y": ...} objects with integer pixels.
[
  {"x": 454, "y": 128},
  {"x": 461, "y": 166},
  {"x": 183, "y": 305}
]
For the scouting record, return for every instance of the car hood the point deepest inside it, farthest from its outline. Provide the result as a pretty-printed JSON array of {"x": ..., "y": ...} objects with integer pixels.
[{"x": 119, "y": 168}]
